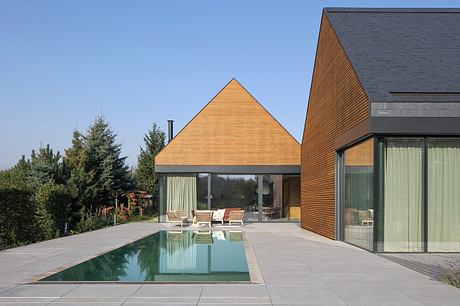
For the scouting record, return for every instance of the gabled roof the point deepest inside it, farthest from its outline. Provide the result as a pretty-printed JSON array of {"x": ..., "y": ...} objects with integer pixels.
[
  {"x": 233, "y": 129},
  {"x": 400, "y": 52}
]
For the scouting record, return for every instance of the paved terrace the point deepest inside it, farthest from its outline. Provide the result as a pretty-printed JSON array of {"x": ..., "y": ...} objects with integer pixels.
[{"x": 298, "y": 267}]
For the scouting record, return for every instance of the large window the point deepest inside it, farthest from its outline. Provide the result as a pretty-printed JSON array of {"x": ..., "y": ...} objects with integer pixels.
[
  {"x": 230, "y": 190},
  {"x": 443, "y": 195},
  {"x": 358, "y": 210},
  {"x": 202, "y": 191},
  {"x": 403, "y": 195}
]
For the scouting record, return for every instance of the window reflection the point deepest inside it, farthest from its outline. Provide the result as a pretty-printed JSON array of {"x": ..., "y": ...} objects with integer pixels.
[{"x": 359, "y": 212}]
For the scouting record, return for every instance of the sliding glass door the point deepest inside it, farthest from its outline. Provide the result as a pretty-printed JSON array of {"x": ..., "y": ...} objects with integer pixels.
[
  {"x": 443, "y": 195},
  {"x": 403, "y": 194}
]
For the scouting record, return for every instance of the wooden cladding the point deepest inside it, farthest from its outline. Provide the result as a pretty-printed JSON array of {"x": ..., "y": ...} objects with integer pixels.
[
  {"x": 233, "y": 129},
  {"x": 337, "y": 103}
]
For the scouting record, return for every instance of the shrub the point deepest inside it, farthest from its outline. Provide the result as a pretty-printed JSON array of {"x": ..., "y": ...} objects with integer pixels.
[
  {"x": 451, "y": 275},
  {"x": 17, "y": 223},
  {"x": 91, "y": 222},
  {"x": 52, "y": 209}
]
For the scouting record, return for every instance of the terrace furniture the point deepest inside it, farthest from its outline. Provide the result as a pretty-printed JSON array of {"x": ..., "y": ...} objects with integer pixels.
[
  {"x": 177, "y": 217},
  {"x": 236, "y": 216},
  {"x": 203, "y": 217},
  {"x": 218, "y": 215},
  {"x": 227, "y": 212}
]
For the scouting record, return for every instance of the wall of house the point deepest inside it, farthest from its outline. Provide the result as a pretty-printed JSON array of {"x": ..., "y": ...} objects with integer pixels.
[
  {"x": 337, "y": 105},
  {"x": 233, "y": 129}
]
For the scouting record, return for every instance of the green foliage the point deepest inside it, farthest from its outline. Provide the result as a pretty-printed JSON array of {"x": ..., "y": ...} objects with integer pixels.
[
  {"x": 145, "y": 175},
  {"x": 451, "y": 275},
  {"x": 91, "y": 222},
  {"x": 45, "y": 167},
  {"x": 52, "y": 209},
  {"x": 17, "y": 176},
  {"x": 17, "y": 222}
]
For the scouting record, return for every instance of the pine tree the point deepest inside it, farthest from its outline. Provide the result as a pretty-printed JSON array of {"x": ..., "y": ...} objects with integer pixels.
[
  {"x": 45, "y": 167},
  {"x": 145, "y": 176},
  {"x": 107, "y": 173}
]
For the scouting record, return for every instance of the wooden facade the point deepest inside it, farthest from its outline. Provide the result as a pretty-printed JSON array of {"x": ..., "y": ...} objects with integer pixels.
[
  {"x": 233, "y": 129},
  {"x": 338, "y": 106}
]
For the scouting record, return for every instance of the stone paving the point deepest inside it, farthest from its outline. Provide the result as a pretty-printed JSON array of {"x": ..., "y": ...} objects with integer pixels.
[{"x": 297, "y": 267}]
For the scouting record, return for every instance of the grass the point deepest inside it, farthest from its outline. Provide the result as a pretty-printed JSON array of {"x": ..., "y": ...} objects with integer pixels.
[{"x": 450, "y": 275}]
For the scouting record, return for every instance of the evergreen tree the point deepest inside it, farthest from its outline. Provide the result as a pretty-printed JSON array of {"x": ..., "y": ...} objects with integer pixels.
[
  {"x": 17, "y": 176},
  {"x": 45, "y": 167},
  {"x": 145, "y": 176},
  {"x": 106, "y": 171}
]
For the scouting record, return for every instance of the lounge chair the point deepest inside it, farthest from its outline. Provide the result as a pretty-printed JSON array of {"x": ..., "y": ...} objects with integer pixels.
[
  {"x": 203, "y": 217},
  {"x": 236, "y": 216},
  {"x": 177, "y": 217}
]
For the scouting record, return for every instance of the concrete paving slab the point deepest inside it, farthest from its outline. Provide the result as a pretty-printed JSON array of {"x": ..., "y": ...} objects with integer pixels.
[
  {"x": 235, "y": 291},
  {"x": 103, "y": 291},
  {"x": 41, "y": 290},
  {"x": 162, "y": 301},
  {"x": 176, "y": 290}
]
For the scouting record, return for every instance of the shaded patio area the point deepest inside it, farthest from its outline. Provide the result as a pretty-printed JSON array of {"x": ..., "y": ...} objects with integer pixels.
[{"x": 297, "y": 267}]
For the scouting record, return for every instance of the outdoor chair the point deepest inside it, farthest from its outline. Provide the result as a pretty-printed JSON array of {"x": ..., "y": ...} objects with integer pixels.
[
  {"x": 236, "y": 216},
  {"x": 203, "y": 217},
  {"x": 177, "y": 217}
]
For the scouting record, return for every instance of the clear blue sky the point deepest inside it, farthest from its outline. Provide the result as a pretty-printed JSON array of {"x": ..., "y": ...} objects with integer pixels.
[{"x": 62, "y": 62}]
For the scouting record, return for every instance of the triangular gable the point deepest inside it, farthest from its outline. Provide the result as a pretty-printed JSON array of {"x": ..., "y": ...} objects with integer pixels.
[{"x": 233, "y": 129}]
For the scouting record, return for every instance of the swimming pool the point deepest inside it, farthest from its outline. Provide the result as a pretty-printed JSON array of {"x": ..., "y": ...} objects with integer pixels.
[{"x": 167, "y": 256}]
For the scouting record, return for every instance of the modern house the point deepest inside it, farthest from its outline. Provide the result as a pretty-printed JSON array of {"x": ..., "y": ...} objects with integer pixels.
[
  {"x": 380, "y": 157},
  {"x": 232, "y": 154}
]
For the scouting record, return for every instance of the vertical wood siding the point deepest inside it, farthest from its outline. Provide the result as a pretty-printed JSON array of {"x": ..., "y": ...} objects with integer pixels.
[{"x": 337, "y": 103}]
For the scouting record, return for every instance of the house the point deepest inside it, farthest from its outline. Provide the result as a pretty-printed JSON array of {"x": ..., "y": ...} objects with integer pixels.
[
  {"x": 232, "y": 154},
  {"x": 380, "y": 157}
]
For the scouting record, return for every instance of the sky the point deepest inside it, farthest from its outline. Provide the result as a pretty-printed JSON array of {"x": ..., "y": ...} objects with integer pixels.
[{"x": 62, "y": 63}]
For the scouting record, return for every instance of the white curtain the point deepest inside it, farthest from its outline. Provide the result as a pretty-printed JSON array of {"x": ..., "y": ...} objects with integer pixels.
[
  {"x": 444, "y": 195},
  {"x": 403, "y": 195},
  {"x": 181, "y": 193}
]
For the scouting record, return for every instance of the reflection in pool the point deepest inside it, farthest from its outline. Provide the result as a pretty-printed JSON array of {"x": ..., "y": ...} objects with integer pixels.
[{"x": 168, "y": 256}]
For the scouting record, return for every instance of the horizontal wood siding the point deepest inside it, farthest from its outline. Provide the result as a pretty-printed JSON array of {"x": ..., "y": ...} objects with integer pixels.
[
  {"x": 337, "y": 103},
  {"x": 232, "y": 129}
]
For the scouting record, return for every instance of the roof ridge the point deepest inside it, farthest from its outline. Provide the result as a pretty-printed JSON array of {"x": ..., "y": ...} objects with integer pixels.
[{"x": 391, "y": 10}]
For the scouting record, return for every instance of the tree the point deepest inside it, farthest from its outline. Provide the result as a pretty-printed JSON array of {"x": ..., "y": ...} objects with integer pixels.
[
  {"x": 52, "y": 209},
  {"x": 46, "y": 167},
  {"x": 144, "y": 175},
  {"x": 17, "y": 176},
  {"x": 107, "y": 173}
]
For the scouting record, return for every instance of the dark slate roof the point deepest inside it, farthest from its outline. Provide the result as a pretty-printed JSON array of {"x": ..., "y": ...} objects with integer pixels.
[{"x": 402, "y": 51}]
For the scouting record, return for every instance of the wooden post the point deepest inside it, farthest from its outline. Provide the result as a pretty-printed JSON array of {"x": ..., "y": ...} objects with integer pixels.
[{"x": 115, "y": 212}]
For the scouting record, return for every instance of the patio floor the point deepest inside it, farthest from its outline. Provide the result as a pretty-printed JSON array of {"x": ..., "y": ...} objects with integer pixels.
[{"x": 297, "y": 266}]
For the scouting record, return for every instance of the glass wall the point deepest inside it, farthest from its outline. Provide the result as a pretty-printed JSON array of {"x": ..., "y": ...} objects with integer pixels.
[
  {"x": 403, "y": 194},
  {"x": 280, "y": 194},
  {"x": 235, "y": 190},
  {"x": 281, "y": 197},
  {"x": 202, "y": 191},
  {"x": 358, "y": 194},
  {"x": 443, "y": 195}
]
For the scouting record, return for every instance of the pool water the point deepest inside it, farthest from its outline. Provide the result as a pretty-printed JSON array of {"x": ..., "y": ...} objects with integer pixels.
[{"x": 168, "y": 256}]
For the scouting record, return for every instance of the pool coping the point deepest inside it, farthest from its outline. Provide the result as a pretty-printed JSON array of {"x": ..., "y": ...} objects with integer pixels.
[{"x": 255, "y": 274}]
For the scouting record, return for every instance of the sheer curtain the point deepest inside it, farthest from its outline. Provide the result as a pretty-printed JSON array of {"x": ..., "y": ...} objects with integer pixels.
[
  {"x": 181, "y": 193},
  {"x": 444, "y": 195},
  {"x": 403, "y": 195}
]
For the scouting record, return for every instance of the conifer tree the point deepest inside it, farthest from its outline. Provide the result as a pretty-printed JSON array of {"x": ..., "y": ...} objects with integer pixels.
[{"x": 145, "y": 176}]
